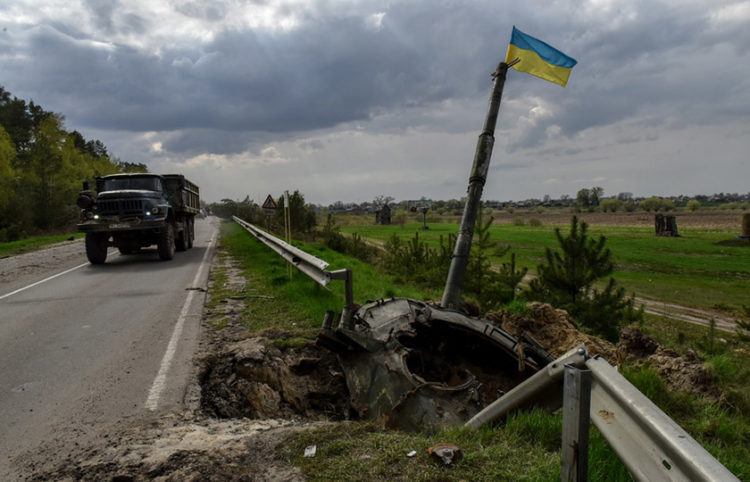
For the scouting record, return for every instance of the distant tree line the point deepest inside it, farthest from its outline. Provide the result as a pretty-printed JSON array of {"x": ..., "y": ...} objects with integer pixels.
[
  {"x": 41, "y": 169},
  {"x": 586, "y": 200},
  {"x": 302, "y": 215}
]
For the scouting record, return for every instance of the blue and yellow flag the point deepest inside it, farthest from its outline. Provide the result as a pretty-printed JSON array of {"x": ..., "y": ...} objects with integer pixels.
[{"x": 539, "y": 59}]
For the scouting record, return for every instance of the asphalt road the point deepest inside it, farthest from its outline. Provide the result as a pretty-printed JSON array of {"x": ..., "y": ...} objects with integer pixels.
[{"x": 97, "y": 345}]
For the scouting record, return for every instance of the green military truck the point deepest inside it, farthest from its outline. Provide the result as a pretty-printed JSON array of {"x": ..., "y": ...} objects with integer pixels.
[{"x": 133, "y": 211}]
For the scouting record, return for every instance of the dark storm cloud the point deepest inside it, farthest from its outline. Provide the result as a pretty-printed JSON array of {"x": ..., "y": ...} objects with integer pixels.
[
  {"x": 192, "y": 142},
  {"x": 326, "y": 72},
  {"x": 107, "y": 18},
  {"x": 213, "y": 11},
  {"x": 224, "y": 95}
]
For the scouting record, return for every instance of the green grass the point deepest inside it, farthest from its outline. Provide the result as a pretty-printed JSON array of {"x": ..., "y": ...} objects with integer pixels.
[
  {"x": 298, "y": 305},
  {"x": 527, "y": 445},
  {"x": 693, "y": 270},
  {"x": 34, "y": 243}
]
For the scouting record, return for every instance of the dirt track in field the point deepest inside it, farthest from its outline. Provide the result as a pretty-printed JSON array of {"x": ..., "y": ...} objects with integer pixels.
[{"x": 697, "y": 219}]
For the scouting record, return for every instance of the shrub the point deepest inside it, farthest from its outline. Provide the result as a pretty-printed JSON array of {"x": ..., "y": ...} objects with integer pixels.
[
  {"x": 693, "y": 205},
  {"x": 491, "y": 289},
  {"x": 612, "y": 205},
  {"x": 353, "y": 246},
  {"x": 535, "y": 222},
  {"x": 400, "y": 217},
  {"x": 414, "y": 261},
  {"x": 667, "y": 205},
  {"x": 650, "y": 204},
  {"x": 518, "y": 221}
]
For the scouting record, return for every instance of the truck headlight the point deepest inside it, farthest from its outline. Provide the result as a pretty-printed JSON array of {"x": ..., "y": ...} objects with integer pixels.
[{"x": 155, "y": 210}]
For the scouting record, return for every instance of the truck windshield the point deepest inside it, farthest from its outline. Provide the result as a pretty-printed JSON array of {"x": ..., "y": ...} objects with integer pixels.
[{"x": 133, "y": 183}]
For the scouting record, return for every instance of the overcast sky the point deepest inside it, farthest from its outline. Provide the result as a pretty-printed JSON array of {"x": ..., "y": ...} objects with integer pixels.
[{"x": 346, "y": 100}]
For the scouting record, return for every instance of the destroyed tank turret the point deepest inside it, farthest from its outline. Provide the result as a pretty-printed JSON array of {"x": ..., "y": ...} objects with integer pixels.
[{"x": 420, "y": 367}]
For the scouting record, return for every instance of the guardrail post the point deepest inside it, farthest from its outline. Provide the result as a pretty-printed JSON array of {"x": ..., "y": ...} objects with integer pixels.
[
  {"x": 576, "y": 420},
  {"x": 346, "y": 275}
]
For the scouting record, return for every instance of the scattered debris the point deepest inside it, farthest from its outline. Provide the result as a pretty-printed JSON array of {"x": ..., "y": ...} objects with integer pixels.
[
  {"x": 311, "y": 450},
  {"x": 411, "y": 454},
  {"x": 447, "y": 453}
]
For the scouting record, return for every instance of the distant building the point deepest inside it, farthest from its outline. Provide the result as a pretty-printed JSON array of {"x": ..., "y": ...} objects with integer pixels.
[{"x": 383, "y": 215}]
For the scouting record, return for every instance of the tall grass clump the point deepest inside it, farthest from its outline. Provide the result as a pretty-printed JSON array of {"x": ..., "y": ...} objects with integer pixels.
[{"x": 354, "y": 245}]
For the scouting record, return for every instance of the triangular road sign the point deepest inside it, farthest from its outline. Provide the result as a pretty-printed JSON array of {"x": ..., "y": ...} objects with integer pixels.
[{"x": 269, "y": 203}]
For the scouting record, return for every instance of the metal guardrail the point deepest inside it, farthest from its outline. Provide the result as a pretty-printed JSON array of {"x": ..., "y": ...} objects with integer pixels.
[
  {"x": 313, "y": 267},
  {"x": 652, "y": 446}
]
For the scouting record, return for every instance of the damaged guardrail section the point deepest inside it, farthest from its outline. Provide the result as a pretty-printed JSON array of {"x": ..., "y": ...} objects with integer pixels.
[
  {"x": 650, "y": 444},
  {"x": 313, "y": 267}
]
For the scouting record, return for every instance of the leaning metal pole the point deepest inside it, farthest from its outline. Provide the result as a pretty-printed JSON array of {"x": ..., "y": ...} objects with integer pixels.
[{"x": 460, "y": 258}]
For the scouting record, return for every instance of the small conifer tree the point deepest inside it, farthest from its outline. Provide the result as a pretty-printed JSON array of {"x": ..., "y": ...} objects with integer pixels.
[{"x": 567, "y": 281}]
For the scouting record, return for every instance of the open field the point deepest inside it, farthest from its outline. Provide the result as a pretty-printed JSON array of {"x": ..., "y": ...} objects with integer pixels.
[
  {"x": 705, "y": 268},
  {"x": 708, "y": 218}
]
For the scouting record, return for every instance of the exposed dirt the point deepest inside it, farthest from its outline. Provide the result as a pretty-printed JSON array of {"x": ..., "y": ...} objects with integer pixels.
[
  {"x": 553, "y": 329},
  {"x": 691, "y": 315},
  {"x": 557, "y": 333},
  {"x": 253, "y": 378},
  {"x": 685, "y": 372}
]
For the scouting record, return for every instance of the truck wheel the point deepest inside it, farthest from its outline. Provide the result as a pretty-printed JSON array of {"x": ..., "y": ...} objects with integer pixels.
[
  {"x": 165, "y": 243},
  {"x": 181, "y": 239},
  {"x": 96, "y": 247}
]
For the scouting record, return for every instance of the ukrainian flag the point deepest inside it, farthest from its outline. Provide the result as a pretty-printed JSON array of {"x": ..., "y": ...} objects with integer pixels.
[{"x": 539, "y": 59}]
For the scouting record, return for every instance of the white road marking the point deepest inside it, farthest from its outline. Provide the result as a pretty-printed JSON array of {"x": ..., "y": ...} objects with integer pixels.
[
  {"x": 46, "y": 279},
  {"x": 157, "y": 387},
  {"x": 42, "y": 281}
]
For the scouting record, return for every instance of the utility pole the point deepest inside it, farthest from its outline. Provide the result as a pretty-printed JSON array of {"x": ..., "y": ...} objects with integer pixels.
[{"x": 477, "y": 179}]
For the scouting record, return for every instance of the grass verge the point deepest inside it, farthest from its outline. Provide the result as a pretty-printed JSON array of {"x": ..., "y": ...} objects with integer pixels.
[{"x": 32, "y": 244}]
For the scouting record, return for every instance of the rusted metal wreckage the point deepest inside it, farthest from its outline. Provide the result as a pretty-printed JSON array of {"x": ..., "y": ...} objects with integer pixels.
[{"x": 421, "y": 367}]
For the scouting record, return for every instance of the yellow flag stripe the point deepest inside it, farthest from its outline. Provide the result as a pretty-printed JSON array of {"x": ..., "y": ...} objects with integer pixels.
[{"x": 532, "y": 63}]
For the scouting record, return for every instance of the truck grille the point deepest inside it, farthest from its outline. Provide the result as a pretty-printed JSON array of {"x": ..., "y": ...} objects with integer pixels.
[{"x": 120, "y": 207}]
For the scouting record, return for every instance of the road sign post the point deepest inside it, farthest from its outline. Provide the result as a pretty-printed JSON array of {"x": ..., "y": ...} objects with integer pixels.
[{"x": 269, "y": 206}]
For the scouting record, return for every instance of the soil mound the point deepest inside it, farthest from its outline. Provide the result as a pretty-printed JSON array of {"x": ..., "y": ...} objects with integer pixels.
[
  {"x": 553, "y": 329},
  {"x": 681, "y": 372},
  {"x": 254, "y": 378}
]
